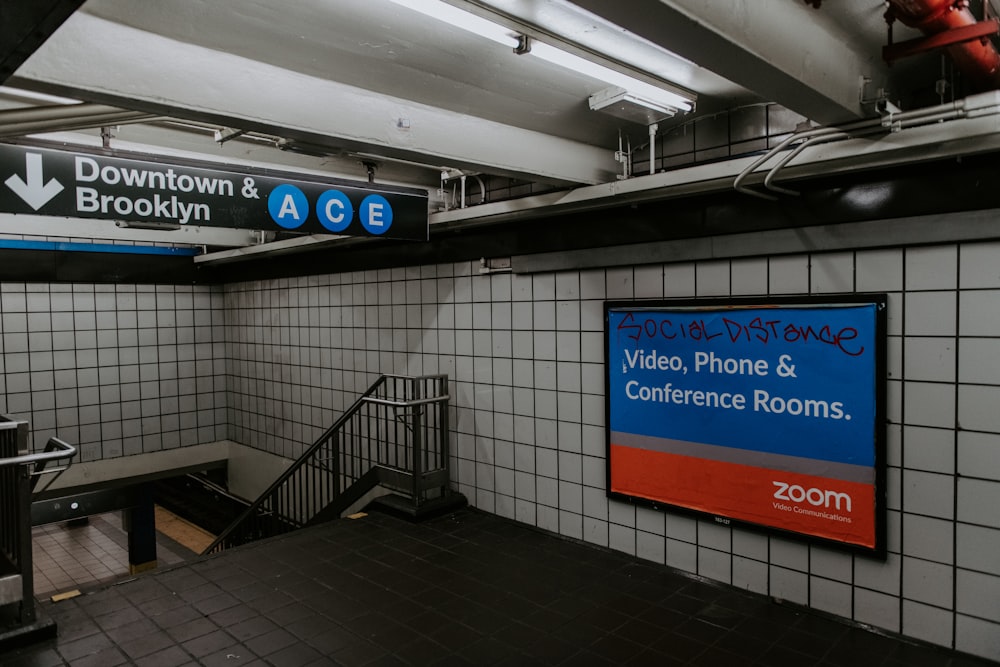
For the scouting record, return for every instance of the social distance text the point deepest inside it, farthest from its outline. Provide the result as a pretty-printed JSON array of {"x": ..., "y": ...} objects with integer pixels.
[{"x": 759, "y": 329}]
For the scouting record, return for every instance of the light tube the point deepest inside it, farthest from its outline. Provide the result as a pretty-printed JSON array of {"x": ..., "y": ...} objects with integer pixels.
[
  {"x": 462, "y": 19},
  {"x": 590, "y": 68},
  {"x": 503, "y": 35}
]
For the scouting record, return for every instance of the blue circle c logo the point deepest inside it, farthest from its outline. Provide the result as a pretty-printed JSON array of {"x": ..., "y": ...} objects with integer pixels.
[{"x": 334, "y": 210}]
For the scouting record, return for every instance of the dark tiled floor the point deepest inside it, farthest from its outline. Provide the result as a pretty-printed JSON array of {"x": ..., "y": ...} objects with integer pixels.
[{"x": 465, "y": 589}]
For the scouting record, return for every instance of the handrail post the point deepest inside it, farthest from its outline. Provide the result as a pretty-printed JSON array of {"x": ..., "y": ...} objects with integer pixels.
[
  {"x": 418, "y": 473},
  {"x": 25, "y": 557},
  {"x": 445, "y": 435},
  {"x": 15, "y": 523},
  {"x": 335, "y": 442}
]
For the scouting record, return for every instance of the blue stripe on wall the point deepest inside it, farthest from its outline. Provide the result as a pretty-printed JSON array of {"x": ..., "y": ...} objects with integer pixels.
[{"x": 68, "y": 246}]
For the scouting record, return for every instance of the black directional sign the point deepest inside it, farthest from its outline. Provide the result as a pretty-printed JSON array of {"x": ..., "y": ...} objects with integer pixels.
[{"x": 111, "y": 186}]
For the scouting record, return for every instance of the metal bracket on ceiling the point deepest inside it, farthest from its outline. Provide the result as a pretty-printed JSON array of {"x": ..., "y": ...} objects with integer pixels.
[
  {"x": 489, "y": 265},
  {"x": 883, "y": 105},
  {"x": 523, "y": 45},
  {"x": 224, "y": 134},
  {"x": 459, "y": 197}
]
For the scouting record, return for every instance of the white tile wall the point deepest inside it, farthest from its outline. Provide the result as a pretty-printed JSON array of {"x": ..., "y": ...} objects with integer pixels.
[
  {"x": 833, "y": 597},
  {"x": 877, "y": 609},
  {"x": 978, "y": 267},
  {"x": 525, "y": 354},
  {"x": 932, "y": 268},
  {"x": 749, "y": 276},
  {"x": 750, "y": 574},
  {"x": 977, "y": 636},
  {"x": 115, "y": 369},
  {"x": 928, "y": 623},
  {"x": 832, "y": 272}
]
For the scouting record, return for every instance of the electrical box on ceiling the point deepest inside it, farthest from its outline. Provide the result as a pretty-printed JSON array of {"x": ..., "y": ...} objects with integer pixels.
[{"x": 620, "y": 103}]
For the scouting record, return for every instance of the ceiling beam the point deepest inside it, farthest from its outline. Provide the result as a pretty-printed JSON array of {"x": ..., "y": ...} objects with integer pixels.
[
  {"x": 190, "y": 141},
  {"x": 786, "y": 51},
  {"x": 25, "y": 25},
  {"x": 103, "y": 61},
  {"x": 931, "y": 142}
]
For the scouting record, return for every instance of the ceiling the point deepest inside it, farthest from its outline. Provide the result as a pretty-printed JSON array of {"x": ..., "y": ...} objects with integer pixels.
[{"x": 340, "y": 87}]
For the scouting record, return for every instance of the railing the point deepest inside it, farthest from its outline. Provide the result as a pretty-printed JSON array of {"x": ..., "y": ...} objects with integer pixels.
[
  {"x": 19, "y": 472},
  {"x": 395, "y": 436}
]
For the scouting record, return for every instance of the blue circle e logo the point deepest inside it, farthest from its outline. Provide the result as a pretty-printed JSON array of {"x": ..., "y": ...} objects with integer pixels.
[
  {"x": 288, "y": 206},
  {"x": 376, "y": 214},
  {"x": 334, "y": 210}
]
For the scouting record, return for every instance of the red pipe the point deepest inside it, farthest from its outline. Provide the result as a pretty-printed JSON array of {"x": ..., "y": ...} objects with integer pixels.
[{"x": 977, "y": 59}]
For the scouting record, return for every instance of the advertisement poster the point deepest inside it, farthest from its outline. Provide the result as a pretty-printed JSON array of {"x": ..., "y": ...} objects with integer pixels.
[{"x": 768, "y": 412}]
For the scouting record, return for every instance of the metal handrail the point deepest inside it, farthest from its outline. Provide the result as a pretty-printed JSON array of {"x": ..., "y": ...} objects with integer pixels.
[
  {"x": 18, "y": 475},
  {"x": 285, "y": 476},
  {"x": 65, "y": 451},
  {"x": 406, "y": 404},
  {"x": 358, "y": 448}
]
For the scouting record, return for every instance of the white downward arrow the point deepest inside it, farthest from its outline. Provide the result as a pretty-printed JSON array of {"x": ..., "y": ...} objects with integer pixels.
[{"x": 33, "y": 191}]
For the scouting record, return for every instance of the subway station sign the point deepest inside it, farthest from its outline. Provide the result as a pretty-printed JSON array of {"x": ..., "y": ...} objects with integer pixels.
[
  {"x": 82, "y": 184},
  {"x": 767, "y": 412}
]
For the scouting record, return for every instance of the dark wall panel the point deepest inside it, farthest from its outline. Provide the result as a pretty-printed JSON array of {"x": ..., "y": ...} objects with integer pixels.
[{"x": 61, "y": 266}]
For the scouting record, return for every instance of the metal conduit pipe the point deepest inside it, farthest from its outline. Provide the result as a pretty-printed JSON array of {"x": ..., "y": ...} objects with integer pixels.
[
  {"x": 836, "y": 136},
  {"x": 893, "y": 125},
  {"x": 18, "y": 122},
  {"x": 54, "y": 111},
  {"x": 445, "y": 177},
  {"x": 782, "y": 145},
  {"x": 22, "y": 129},
  {"x": 889, "y": 123},
  {"x": 482, "y": 189},
  {"x": 652, "y": 148}
]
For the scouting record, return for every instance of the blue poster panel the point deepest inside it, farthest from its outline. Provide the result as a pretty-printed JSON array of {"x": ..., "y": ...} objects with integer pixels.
[{"x": 767, "y": 412}]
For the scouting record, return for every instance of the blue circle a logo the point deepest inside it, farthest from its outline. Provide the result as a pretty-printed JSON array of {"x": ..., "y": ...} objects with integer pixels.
[{"x": 288, "y": 206}]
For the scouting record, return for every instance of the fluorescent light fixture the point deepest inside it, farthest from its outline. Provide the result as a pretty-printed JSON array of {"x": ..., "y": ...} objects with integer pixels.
[
  {"x": 621, "y": 103},
  {"x": 462, "y": 19},
  {"x": 506, "y": 36},
  {"x": 586, "y": 67}
]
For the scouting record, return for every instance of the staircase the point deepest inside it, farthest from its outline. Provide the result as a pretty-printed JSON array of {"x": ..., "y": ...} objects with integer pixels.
[{"x": 394, "y": 437}]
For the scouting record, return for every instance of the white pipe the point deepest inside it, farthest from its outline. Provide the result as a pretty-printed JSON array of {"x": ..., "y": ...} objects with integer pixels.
[
  {"x": 836, "y": 136},
  {"x": 482, "y": 189},
  {"x": 59, "y": 112},
  {"x": 444, "y": 190},
  {"x": 40, "y": 126},
  {"x": 926, "y": 115},
  {"x": 620, "y": 156},
  {"x": 652, "y": 148}
]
